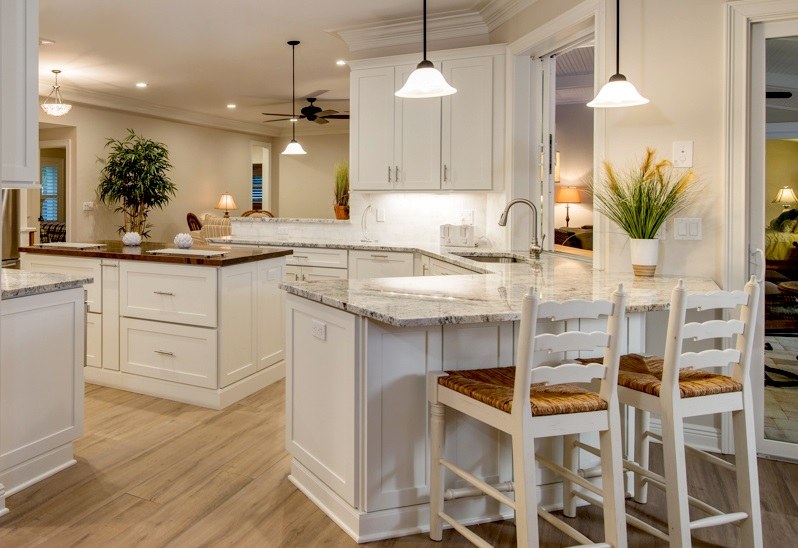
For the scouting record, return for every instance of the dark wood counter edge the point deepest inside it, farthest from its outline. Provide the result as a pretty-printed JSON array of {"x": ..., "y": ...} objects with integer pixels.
[{"x": 233, "y": 255}]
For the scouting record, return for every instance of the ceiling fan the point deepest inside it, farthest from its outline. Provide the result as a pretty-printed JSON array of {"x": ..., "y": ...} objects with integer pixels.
[
  {"x": 311, "y": 113},
  {"x": 778, "y": 95}
]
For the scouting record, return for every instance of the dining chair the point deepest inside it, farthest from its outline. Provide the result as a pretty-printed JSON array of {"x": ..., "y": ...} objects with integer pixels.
[
  {"x": 676, "y": 386},
  {"x": 257, "y": 213},
  {"x": 534, "y": 400}
]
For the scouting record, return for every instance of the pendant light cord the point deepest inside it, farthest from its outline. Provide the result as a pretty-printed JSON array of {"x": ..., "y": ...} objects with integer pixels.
[
  {"x": 425, "y": 30},
  {"x": 617, "y": 36},
  {"x": 293, "y": 92}
]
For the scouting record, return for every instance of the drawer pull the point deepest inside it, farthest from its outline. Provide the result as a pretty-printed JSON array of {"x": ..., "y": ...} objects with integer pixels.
[
  {"x": 300, "y": 256},
  {"x": 379, "y": 256},
  {"x": 110, "y": 265},
  {"x": 164, "y": 293},
  {"x": 164, "y": 353}
]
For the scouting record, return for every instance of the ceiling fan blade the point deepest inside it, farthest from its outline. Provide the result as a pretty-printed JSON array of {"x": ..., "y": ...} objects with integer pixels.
[
  {"x": 275, "y": 114},
  {"x": 326, "y": 113},
  {"x": 778, "y": 94},
  {"x": 338, "y": 116},
  {"x": 277, "y": 120},
  {"x": 315, "y": 94},
  {"x": 321, "y": 121}
]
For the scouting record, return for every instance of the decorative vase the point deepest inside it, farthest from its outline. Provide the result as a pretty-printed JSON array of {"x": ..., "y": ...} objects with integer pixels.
[
  {"x": 183, "y": 240},
  {"x": 644, "y": 256},
  {"x": 131, "y": 238},
  {"x": 341, "y": 212}
]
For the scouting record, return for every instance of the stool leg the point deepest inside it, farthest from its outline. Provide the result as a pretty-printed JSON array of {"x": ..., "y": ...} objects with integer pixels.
[
  {"x": 524, "y": 482},
  {"x": 436, "y": 434},
  {"x": 747, "y": 476},
  {"x": 570, "y": 460},
  {"x": 641, "y": 447},
  {"x": 612, "y": 479},
  {"x": 675, "y": 477}
]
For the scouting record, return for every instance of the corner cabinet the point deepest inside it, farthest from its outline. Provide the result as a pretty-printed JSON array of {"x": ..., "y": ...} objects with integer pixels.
[
  {"x": 449, "y": 143},
  {"x": 19, "y": 72}
]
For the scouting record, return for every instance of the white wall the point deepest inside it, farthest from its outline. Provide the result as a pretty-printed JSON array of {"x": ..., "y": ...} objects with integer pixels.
[
  {"x": 575, "y": 144},
  {"x": 206, "y": 162},
  {"x": 306, "y": 183}
]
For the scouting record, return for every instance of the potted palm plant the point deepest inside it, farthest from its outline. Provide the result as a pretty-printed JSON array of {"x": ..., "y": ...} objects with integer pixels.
[
  {"x": 341, "y": 203},
  {"x": 640, "y": 199},
  {"x": 134, "y": 178}
]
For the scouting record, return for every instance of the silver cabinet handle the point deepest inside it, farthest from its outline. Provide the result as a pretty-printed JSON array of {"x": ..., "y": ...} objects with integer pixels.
[
  {"x": 299, "y": 256},
  {"x": 164, "y": 353},
  {"x": 445, "y": 173},
  {"x": 164, "y": 293},
  {"x": 109, "y": 265},
  {"x": 396, "y": 173},
  {"x": 424, "y": 270},
  {"x": 389, "y": 174},
  {"x": 379, "y": 256}
]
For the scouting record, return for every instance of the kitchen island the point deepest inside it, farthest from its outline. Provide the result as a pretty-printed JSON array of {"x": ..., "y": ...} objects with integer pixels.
[
  {"x": 202, "y": 326},
  {"x": 357, "y": 355},
  {"x": 41, "y": 376}
]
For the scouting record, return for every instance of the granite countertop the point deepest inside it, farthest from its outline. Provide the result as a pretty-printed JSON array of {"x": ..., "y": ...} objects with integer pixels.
[
  {"x": 113, "y": 249},
  {"x": 22, "y": 283}
]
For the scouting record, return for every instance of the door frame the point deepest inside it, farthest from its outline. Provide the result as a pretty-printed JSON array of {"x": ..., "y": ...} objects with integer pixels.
[
  {"x": 66, "y": 144},
  {"x": 743, "y": 163}
]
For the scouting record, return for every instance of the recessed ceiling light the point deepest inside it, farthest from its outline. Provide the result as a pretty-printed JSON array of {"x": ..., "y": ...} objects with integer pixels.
[
  {"x": 340, "y": 62},
  {"x": 141, "y": 84},
  {"x": 293, "y": 119},
  {"x": 231, "y": 106},
  {"x": 46, "y": 42}
]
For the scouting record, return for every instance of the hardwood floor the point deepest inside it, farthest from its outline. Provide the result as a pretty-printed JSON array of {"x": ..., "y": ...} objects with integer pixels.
[{"x": 152, "y": 472}]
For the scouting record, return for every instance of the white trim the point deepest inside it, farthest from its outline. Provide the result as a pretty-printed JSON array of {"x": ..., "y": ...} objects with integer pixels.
[
  {"x": 698, "y": 436},
  {"x": 437, "y": 55},
  {"x": 66, "y": 144},
  {"x": 497, "y": 12}
]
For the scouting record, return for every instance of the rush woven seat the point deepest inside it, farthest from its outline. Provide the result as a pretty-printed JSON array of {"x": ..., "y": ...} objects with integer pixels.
[
  {"x": 494, "y": 387},
  {"x": 644, "y": 374}
]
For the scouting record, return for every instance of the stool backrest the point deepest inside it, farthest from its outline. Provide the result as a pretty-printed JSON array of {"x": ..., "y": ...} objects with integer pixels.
[
  {"x": 740, "y": 310},
  {"x": 571, "y": 343}
]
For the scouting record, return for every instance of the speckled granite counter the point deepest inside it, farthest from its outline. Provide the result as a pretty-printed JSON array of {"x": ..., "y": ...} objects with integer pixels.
[{"x": 21, "y": 283}]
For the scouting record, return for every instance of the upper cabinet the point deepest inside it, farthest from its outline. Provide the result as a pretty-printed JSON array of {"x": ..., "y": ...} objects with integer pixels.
[
  {"x": 449, "y": 143},
  {"x": 19, "y": 74}
]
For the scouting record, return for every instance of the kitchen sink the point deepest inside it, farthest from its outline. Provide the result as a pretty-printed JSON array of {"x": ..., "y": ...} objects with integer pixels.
[{"x": 493, "y": 258}]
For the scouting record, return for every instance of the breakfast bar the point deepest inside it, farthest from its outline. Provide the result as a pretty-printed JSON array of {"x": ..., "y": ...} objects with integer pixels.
[{"x": 357, "y": 356}]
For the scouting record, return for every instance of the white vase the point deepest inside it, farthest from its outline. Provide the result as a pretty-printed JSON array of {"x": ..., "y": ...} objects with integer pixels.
[{"x": 644, "y": 256}]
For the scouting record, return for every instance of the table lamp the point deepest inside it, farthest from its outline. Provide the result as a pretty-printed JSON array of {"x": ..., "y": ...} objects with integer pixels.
[
  {"x": 568, "y": 195},
  {"x": 785, "y": 196},
  {"x": 226, "y": 202}
]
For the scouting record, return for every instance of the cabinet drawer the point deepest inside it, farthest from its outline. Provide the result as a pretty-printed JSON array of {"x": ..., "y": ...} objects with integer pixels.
[
  {"x": 172, "y": 293},
  {"x": 313, "y": 256},
  {"x": 94, "y": 339},
  {"x": 74, "y": 266},
  {"x": 379, "y": 264},
  {"x": 170, "y": 352}
]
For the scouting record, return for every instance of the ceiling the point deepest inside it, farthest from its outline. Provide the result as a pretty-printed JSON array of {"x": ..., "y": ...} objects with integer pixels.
[
  {"x": 197, "y": 56},
  {"x": 782, "y": 75}
]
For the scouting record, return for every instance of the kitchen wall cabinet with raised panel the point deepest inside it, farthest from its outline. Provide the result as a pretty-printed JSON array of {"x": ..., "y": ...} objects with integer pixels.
[
  {"x": 449, "y": 143},
  {"x": 19, "y": 73}
]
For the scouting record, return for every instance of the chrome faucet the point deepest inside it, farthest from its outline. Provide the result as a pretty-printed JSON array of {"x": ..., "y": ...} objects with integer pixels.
[
  {"x": 364, "y": 226},
  {"x": 534, "y": 247}
]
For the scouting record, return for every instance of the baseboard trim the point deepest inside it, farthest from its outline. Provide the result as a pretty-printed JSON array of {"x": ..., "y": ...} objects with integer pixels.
[{"x": 706, "y": 438}]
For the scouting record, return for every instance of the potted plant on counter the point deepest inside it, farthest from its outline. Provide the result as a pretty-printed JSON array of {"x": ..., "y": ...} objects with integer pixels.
[
  {"x": 341, "y": 203},
  {"x": 640, "y": 199},
  {"x": 134, "y": 178}
]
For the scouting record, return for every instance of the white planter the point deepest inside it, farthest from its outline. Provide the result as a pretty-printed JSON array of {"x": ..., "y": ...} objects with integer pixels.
[{"x": 644, "y": 256}]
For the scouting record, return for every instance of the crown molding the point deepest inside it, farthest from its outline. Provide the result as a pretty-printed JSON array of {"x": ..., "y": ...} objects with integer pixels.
[
  {"x": 497, "y": 12},
  {"x": 401, "y": 32},
  {"x": 111, "y": 102}
]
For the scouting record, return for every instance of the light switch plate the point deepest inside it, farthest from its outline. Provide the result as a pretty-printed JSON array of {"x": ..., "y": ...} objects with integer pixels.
[
  {"x": 319, "y": 330},
  {"x": 380, "y": 215},
  {"x": 88, "y": 206},
  {"x": 683, "y": 154},
  {"x": 687, "y": 228}
]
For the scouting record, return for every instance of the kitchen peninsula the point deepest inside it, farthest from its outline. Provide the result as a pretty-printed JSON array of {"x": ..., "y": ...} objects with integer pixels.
[
  {"x": 41, "y": 376},
  {"x": 202, "y": 325},
  {"x": 357, "y": 356}
]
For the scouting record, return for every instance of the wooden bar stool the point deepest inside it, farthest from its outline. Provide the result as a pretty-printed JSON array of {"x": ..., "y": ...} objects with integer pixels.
[
  {"x": 676, "y": 387},
  {"x": 534, "y": 400}
]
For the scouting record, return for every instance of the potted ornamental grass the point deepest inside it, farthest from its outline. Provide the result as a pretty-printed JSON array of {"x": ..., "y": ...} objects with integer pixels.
[
  {"x": 341, "y": 194},
  {"x": 134, "y": 178},
  {"x": 640, "y": 199}
]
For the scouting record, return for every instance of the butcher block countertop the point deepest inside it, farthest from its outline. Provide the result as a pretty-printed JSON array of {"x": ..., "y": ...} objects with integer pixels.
[{"x": 160, "y": 252}]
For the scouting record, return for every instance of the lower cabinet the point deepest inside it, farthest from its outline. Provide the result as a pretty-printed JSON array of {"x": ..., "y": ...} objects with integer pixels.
[
  {"x": 297, "y": 273},
  {"x": 94, "y": 339},
  {"x": 379, "y": 264},
  {"x": 442, "y": 268}
]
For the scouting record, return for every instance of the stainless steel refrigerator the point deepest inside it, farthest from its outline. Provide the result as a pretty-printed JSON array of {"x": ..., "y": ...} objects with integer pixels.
[{"x": 10, "y": 216}]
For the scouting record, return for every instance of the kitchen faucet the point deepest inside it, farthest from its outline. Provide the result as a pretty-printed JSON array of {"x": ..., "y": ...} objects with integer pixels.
[
  {"x": 534, "y": 247},
  {"x": 364, "y": 226}
]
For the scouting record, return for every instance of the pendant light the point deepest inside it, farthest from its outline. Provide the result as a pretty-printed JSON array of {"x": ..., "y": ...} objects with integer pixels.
[
  {"x": 618, "y": 92},
  {"x": 293, "y": 147},
  {"x": 426, "y": 80},
  {"x": 58, "y": 107}
]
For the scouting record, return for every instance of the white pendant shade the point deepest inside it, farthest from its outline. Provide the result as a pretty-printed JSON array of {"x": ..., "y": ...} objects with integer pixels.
[
  {"x": 56, "y": 109},
  {"x": 618, "y": 92},
  {"x": 425, "y": 82},
  {"x": 294, "y": 148}
]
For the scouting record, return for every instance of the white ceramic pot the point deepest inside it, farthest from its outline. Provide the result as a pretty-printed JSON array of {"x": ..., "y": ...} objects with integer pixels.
[{"x": 644, "y": 256}]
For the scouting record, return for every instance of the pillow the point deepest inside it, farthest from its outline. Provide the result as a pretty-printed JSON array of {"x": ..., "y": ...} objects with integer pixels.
[
  {"x": 789, "y": 226},
  {"x": 777, "y": 224}
]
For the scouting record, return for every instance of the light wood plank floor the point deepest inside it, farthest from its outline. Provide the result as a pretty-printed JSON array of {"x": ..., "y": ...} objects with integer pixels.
[{"x": 152, "y": 472}]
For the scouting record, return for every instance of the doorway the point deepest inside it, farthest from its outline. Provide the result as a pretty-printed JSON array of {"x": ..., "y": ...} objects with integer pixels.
[
  {"x": 261, "y": 189},
  {"x": 52, "y": 206}
]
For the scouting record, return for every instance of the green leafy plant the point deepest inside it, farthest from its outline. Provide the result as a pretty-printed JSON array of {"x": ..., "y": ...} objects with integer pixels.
[
  {"x": 135, "y": 179},
  {"x": 342, "y": 184},
  {"x": 641, "y": 198}
]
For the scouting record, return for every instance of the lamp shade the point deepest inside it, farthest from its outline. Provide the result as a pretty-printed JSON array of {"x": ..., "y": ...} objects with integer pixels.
[
  {"x": 567, "y": 195},
  {"x": 785, "y": 196},
  {"x": 226, "y": 202},
  {"x": 294, "y": 148},
  {"x": 616, "y": 93},
  {"x": 425, "y": 81}
]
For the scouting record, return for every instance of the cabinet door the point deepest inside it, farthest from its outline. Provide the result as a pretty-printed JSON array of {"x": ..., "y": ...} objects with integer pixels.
[
  {"x": 271, "y": 314},
  {"x": 77, "y": 266},
  {"x": 314, "y": 273},
  {"x": 417, "y": 142},
  {"x": 371, "y": 129},
  {"x": 379, "y": 264},
  {"x": 467, "y": 117},
  {"x": 19, "y": 72},
  {"x": 94, "y": 339}
]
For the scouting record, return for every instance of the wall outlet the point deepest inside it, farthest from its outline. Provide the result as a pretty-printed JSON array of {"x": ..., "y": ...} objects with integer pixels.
[
  {"x": 466, "y": 217},
  {"x": 88, "y": 206},
  {"x": 682, "y": 154},
  {"x": 319, "y": 330}
]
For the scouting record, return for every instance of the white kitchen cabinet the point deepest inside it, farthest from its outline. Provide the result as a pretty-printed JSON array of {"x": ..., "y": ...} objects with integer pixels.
[
  {"x": 70, "y": 265},
  {"x": 19, "y": 72},
  {"x": 309, "y": 264},
  {"x": 450, "y": 143},
  {"x": 379, "y": 264},
  {"x": 442, "y": 268},
  {"x": 295, "y": 273},
  {"x": 94, "y": 339}
]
